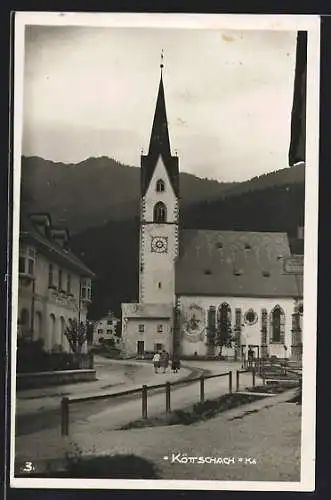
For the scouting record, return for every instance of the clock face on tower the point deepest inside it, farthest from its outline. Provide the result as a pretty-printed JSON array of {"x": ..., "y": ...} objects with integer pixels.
[{"x": 159, "y": 244}]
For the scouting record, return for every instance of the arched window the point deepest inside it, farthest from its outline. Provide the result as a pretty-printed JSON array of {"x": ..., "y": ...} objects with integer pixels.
[
  {"x": 62, "y": 327},
  {"x": 160, "y": 186},
  {"x": 277, "y": 325},
  {"x": 38, "y": 326},
  {"x": 264, "y": 332},
  {"x": 160, "y": 212}
]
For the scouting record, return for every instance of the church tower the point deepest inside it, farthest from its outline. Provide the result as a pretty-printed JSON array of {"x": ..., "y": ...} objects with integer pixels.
[{"x": 159, "y": 214}]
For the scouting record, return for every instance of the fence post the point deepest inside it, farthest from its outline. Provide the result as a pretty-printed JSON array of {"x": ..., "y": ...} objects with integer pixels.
[
  {"x": 253, "y": 376},
  {"x": 65, "y": 417},
  {"x": 167, "y": 386},
  {"x": 202, "y": 389},
  {"x": 230, "y": 382},
  {"x": 237, "y": 380},
  {"x": 144, "y": 401}
]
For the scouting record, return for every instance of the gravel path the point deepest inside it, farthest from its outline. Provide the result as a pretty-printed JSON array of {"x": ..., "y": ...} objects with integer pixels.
[
  {"x": 267, "y": 431},
  {"x": 108, "y": 415}
]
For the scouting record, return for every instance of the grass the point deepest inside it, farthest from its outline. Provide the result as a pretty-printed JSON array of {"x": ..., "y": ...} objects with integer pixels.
[
  {"x": 198, "y": 412},
  {"x": 273, "y": 388},
  {"x": 297, "y": 398}
]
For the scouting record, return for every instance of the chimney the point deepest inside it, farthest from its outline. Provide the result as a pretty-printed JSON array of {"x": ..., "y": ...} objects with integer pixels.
[
  {"x": 60, "y": 236},
  {"x": 301, "y": 233},
  {"x": 42, "y": 222}
]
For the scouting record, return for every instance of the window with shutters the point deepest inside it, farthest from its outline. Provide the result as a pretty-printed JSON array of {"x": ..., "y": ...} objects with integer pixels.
[
  {"x": 277, "y": 325},
  {"x": 85, "y": 289},
  {"x": 27, "y": 259}
]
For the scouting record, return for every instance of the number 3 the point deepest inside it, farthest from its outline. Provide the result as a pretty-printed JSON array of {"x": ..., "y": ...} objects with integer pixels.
[{"x": 28, "y": 467}]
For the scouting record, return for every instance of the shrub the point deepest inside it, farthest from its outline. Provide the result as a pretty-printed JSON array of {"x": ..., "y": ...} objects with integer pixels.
[
  {"x": 31, "y": 357},
  {"x": 111, "y": 466}
]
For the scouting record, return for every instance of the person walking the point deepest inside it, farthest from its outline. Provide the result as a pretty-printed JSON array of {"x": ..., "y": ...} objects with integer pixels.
[
  {"x": 250, "y": 357},
  {"x": 164, "y": 360},
  {"x": 156, "y": 362},
  {"x": 175, "y": 366}
]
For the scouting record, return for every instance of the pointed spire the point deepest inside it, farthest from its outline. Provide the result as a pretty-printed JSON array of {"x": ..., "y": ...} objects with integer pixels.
[
  {"x": 159, "y": 144},
  {"x": 161, "y": 65},
  {"x": 159, "y": 141}
]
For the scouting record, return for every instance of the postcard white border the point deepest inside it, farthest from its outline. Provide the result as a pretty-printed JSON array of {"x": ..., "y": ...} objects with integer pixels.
[{"x": 311, "y": 24}]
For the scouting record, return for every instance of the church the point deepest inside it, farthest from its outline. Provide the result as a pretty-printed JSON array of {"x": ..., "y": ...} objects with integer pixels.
[{"x": 203, "y": 289}]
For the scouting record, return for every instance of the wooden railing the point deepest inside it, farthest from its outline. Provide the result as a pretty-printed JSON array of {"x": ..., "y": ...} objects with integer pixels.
[{"x": 145, "y": 390}]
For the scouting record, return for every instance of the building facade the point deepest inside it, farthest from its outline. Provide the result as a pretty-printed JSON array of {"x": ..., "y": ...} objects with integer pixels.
[
  {"x": 199, "y": 287},
  {"x": 106, "y": 329},
  {"x": 54, "y": 285}
]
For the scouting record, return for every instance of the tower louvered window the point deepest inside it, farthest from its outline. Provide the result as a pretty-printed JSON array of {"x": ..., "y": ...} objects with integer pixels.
[
  {"x": 160, "y": 213},
  {"x": 160, "y": 186}
]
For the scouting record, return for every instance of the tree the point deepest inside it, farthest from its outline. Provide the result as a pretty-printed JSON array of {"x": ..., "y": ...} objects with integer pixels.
[
  {"x": 223, "y": 334},
  {"x": 76, "y": 335}
]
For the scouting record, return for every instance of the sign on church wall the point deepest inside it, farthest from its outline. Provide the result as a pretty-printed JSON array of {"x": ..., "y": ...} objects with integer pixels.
[{"x": 294, "y": 264}]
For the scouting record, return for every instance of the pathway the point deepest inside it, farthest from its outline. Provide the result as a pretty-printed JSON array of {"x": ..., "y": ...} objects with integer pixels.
[{"x": 48, "y": 443}]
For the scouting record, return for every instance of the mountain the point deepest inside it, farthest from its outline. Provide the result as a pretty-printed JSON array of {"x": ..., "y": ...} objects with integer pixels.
[
  {"x": 98, "y": 190},
  {"x": 112, "y": 250},
  {"x": 98, "y": 201}
]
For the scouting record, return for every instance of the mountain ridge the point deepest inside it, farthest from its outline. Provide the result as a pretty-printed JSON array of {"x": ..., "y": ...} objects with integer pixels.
[{"x": 99, "y": 189}]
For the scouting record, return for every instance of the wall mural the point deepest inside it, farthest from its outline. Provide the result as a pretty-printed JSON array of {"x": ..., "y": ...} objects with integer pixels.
[{"x": 194, "y": 325}]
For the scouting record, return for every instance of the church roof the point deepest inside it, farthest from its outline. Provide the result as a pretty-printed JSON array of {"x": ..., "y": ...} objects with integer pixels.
[
  {"x": 159, "y": 145},
  {"x": 234, "y": 263}
]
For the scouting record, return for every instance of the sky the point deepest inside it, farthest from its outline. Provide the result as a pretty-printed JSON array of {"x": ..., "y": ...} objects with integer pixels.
[{"x": 92, "y": 92}]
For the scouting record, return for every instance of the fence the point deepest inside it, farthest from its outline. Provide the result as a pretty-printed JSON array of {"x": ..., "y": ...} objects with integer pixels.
[
  {"x": 263, "y": 365},
  {"x": 144, "y": 391}
]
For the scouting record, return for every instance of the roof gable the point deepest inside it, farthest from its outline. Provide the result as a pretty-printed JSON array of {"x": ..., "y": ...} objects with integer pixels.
[{"x": 30, "y": 231}]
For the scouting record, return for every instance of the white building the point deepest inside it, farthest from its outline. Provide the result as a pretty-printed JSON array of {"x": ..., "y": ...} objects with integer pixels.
[
  {"x": 195, "y": 283},
  {"x": 54, "y": 285},
  {"x": 105, "y": 329}
]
